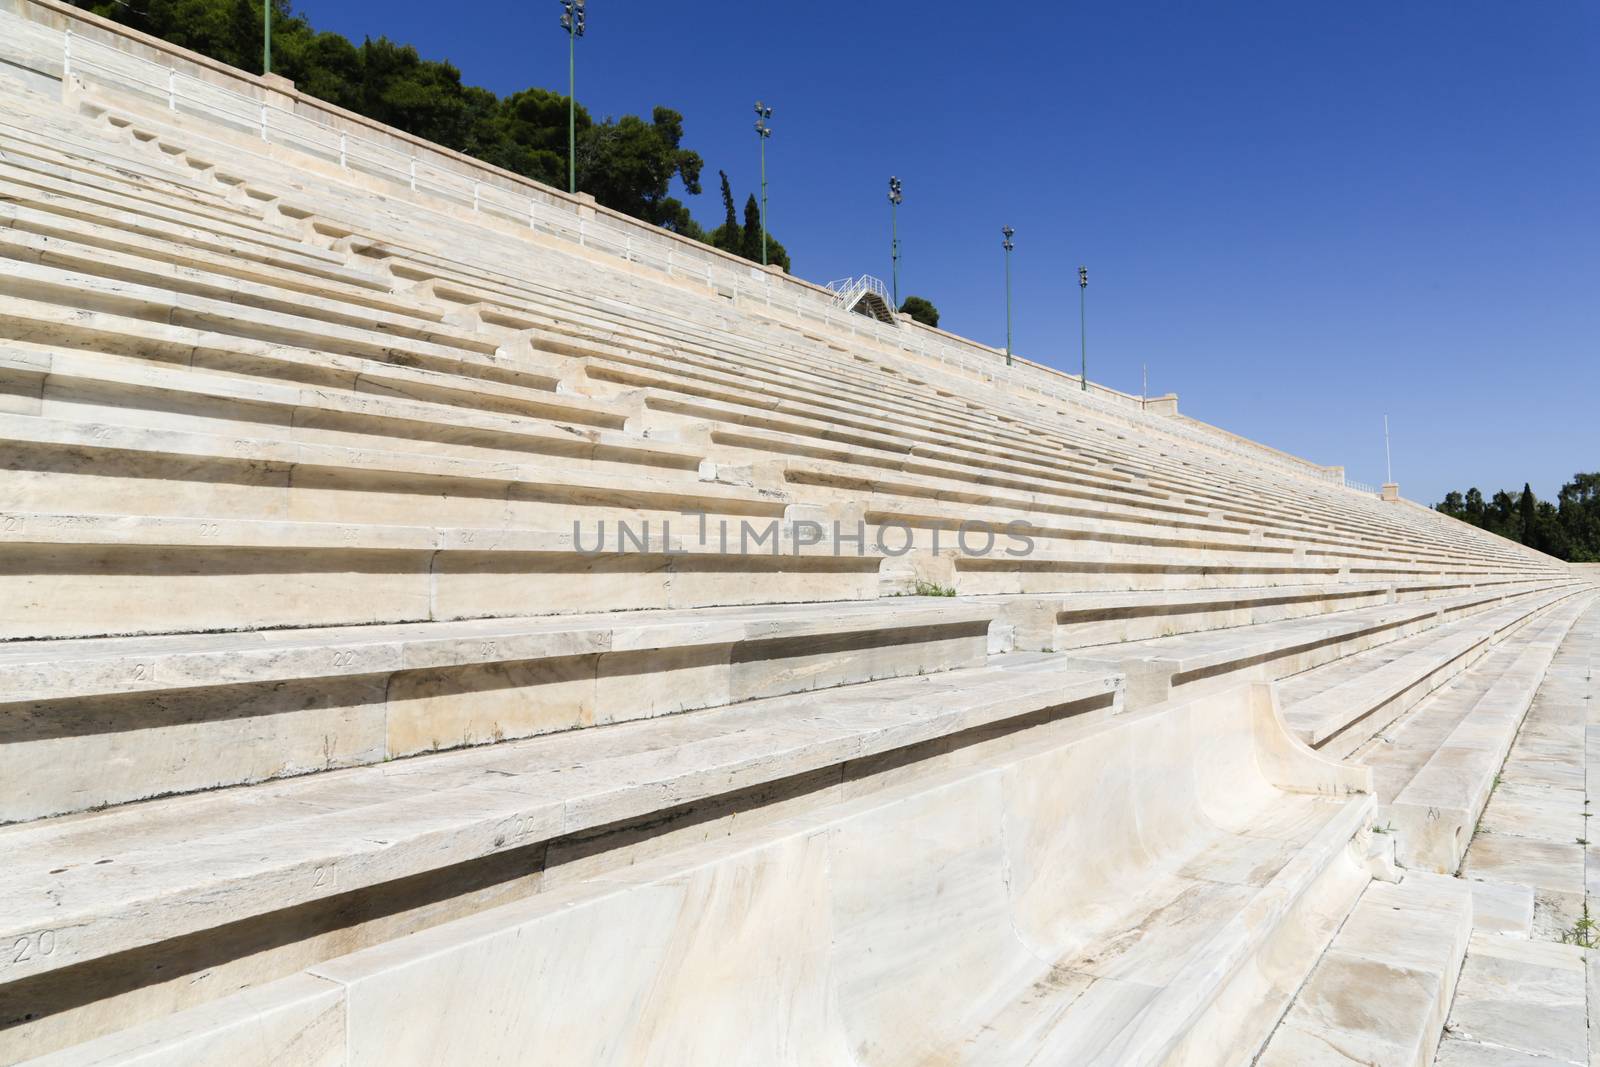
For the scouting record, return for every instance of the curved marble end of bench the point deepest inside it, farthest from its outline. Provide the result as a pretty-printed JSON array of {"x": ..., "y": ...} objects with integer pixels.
[{"x": 1289, "y": 763}]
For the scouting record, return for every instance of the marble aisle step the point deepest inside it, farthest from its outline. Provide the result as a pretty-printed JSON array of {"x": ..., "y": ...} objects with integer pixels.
[
  {"x": 263, "y": 385},
  {"x": 1342, "y": 716},
  {"x": 350, "y": 400},
  {"x": 177, "y": 249},
  {"x": 1381, "y": 991},
  {"x": 1274, "y": 650},
  {"x": 1437, "y": 811},
  {"x": 1521, "y": 1003},
  {"x": 320, "y": 303},
  {"x": 1069, "y": 621},
  {"x": 73, "y": 203},
  {"x": 70, "y": 176},
  {"x": 88, "y": 203}
]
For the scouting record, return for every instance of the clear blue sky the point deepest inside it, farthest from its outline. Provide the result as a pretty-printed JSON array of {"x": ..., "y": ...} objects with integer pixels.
[{"x": 1301, "y": 216}]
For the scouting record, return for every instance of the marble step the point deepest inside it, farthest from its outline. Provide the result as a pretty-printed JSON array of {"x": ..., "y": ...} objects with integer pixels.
[
  {"x": 583, "y": 349},
  {"x": 1342, "y": 716},
  {"x": 71, "y": 175},
  {"x": 264, "y": 374},
  {"x": 897, "y": 918},
  {"x": 66, "y": 204},
  {"x": 1380, "y": 994},
  {"x": 1521, "y": 1003},
  {"x": 104, "y": 163},
  {"x": 1077, "y": 620},
  {"x": 1265, "y": 652},
  {"x": 82, "y": 290},
  {"x": 61, "y": 465},
  {"x": 107, "y": 882},
  {"x": 89, "y": 575},
  {"x": 1375, "y": 543},
  {"x": 1437, "y": 811},
  {"x": 87, "y": 723},
  {"x": 66, "y": 244},
  {"x": 261, "y": 372},
  {"x": 87, "y": 202}
]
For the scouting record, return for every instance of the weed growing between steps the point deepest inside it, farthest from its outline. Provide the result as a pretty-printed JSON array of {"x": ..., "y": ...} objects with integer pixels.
[
  {"x": 1585, "y": 932},
  {"x": 927, "y": 588}
]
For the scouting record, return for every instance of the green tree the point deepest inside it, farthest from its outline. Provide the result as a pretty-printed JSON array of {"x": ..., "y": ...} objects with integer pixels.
[
  {"x": 745, "y": 239},
  {"x": 1527, "y": 512},
  {"x": 750, "y": 247},
  {"x": 526, "y": 132},
  {"x": 750, "y": 238},
  {"x": 1579, "y": 503},
  {"x": 921, "y": 309},
  {"x": 730, "y": 218},
  {"x": 729, "y": 236},
  {"x": 1567, "y": 529},
  {"x": 628, "y": 165}
]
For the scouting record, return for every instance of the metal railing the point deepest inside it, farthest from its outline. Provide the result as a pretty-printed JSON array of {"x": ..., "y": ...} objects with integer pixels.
[{"x": 846, "y": 291}]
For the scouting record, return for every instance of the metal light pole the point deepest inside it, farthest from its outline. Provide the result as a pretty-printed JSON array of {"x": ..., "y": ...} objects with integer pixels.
[
  {"x": 266, "y": 36},
  {"x": 1388, "y": 459},
  {"x": 895, "y": 197},
  {"x": 1007, "y": 232},
  {"x": 572, "y": 20},
  {"x": 763, "y": 131},
  {"x": 1083, "y": 329}
]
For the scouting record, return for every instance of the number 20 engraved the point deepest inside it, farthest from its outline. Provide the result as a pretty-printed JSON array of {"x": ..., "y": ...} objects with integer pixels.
[{"x": 29, "y": 946}]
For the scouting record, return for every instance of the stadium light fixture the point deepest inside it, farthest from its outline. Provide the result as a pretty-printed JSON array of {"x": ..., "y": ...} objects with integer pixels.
[
  {"x": 763, "y": 131},
  {"x": 573, "y": 20},
  {"x": 1007, "y": 233},
  {"x": 896, "y": 195},
  {"x": 1388, "y": 457},
  {"x": 266, "y": 36},
  {"x": 1083, "y": 331}
]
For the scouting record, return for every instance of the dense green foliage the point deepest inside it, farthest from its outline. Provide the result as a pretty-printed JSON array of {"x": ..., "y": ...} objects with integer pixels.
[
  {"x": 921, "y": 309},
  {"x": 627, "y": 164},
  {"x": 1568, "y": 529},
  {"x": 744, "y": 239}
]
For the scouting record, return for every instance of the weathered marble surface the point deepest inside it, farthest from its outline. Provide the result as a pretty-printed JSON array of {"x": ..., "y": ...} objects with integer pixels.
[
  {"x": 1380, "y": 993},
  {"x": 93, "y": 722},
  {"x": 949, "y": 915},
  {"x": 210, "y": 858},
  {"x": 245, "y": 387}
]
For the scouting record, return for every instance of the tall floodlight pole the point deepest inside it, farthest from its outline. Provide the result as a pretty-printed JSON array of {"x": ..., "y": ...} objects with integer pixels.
[
  {"x": 1083, "y": 329},
  {"x": 895, "y": 197},
  {"x": 266, "y": 36},
  {"x": 1388, "y": 459},
  {"x": 1006, "y": 232},
  {"x": 572, "y": 20},
  {"x": 763, "y": 131}
]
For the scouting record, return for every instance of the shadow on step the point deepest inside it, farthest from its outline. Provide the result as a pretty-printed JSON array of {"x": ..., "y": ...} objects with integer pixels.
[{"x": 70, "y": 1004}]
